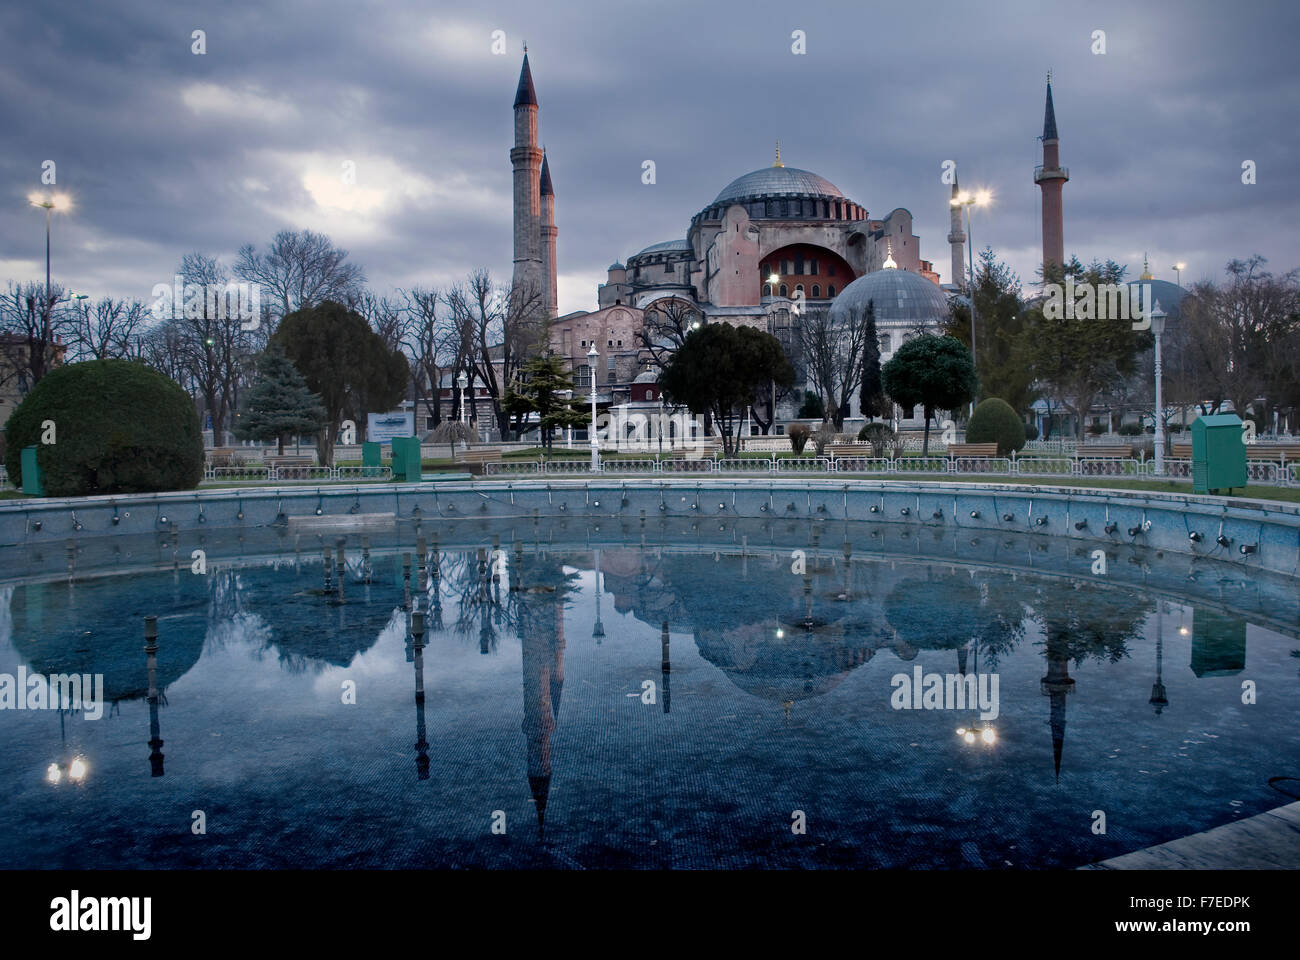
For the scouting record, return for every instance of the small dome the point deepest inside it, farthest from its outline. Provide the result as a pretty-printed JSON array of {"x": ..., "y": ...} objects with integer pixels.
[
  {"x": 646, "y": 376},
  {"x": 898, "y": 295},
  {"x": 617, "y": 266},
  {"x": 668, "y": 246},
  {"x": 778, "y": 180},
  {"x": 1168, "y": 295}
]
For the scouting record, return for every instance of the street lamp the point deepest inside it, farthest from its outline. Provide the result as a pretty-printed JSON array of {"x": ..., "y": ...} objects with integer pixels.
[
  {"x": 49, "y": 203},
  {"x": 968, "y": 200},
  {"x": 1178, "y": 271},
  {"x": 592, "y": 356},
  {"x": 662, "y": 425},
  {"x": 462, "y": 381},
  {"x": 1158, "y": 329}
]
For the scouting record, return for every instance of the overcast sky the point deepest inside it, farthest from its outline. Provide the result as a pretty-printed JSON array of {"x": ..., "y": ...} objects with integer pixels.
[{"x": 166, "y": 151}]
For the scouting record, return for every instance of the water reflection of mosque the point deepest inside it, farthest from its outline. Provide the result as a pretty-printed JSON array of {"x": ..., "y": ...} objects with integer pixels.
[{"x": 784, "y": 647}]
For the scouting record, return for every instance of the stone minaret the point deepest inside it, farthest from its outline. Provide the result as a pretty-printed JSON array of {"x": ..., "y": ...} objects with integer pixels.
[
  {"x": 526, "y": 159},
  {"x": 550, "y": 295},
  {"x": 1051, "y": 177},
  {"x": 957, "y": 240}
]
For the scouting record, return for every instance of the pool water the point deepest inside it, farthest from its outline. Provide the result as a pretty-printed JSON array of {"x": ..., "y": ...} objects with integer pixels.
[{"x": 643, "y": 700}]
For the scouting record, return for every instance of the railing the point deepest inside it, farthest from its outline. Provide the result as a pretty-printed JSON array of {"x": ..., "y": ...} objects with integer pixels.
[
  {"x": 264, "y": 474},
  {"x": 1261, "y": 472}
]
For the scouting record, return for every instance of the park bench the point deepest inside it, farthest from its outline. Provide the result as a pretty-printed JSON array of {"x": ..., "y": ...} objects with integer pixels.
[
  {"x": 1254, "y": 451},
  {"x": 478, "y": 456},
  {"x": 1105, "y": 451},
  {"x": 972, "y": 449},
  {"x": 291, "y": 466}
]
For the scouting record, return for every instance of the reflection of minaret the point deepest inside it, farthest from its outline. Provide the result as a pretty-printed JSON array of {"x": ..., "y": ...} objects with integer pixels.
[
  {"x": 1057, "y": 685},
  {"x": 421, "y": 743},
  {"x": 665, "y": 666},
  {"x": 542, "y": 643},
  {"x": 1158, "y": 698},
  {"x": 598, "y": 630},
  {"x": 151, "y": 665}
]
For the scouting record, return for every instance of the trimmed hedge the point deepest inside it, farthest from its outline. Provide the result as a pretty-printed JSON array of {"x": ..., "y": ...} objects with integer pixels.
[
  {"x": 121, "y": 427},
  {"x": 995, "y": 421}
]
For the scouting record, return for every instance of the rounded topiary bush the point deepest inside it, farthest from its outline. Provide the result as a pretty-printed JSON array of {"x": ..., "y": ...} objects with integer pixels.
[
  {"x": 119, "y": 427},
  {"x": 995, "y": 421}
]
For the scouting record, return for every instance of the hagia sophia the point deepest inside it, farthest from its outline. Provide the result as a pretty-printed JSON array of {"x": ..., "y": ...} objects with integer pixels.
[{"x": 772, "y": 241}]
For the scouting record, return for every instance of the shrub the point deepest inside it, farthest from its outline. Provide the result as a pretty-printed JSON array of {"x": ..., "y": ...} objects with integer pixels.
[
  {"x": 823, "y": 435},
  {"x": 1130, "y": 430},
  {"x": 121, "y": 427},
  {"x": 994, "y": 421},
  {"x": 1031, "y": 431},
  {"x": 878, "y": 435},
  {"x": 812, "y": 407},
  {"x": 798, "y": 434},
  {"x": 1096, "y": 429}
]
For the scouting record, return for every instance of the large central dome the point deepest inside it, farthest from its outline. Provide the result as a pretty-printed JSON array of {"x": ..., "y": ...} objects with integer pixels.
[{"x": 781, "y": 181}]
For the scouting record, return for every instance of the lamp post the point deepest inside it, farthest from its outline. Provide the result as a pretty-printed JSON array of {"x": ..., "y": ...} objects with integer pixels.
[
  {"x": 49, "y": 203},
  {"x": 663, "y": 426},
  {"x": 969, "y": 200},
  {"x": 462, "y": 381},
  {"x": 592, "y": 356},
  {"x": 1158, "y": 329},
  {"x": 1178, "y": 271}
]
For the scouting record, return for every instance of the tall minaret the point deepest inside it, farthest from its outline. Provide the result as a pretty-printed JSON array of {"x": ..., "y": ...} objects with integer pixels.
[
  {"x": 1051, "y": 177},
  {"x": 956, "y": 239},
  {"x": 550, "y": 295},
  {"x": 526, "y": 159}
]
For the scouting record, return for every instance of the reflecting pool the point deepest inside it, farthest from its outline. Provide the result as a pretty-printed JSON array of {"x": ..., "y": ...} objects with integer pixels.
[{"x": 647, "y": 695}]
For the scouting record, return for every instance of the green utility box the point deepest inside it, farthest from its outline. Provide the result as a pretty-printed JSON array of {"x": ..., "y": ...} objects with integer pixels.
[
  {"x": 406, "y": 459},
  {"x": 372, "y": 454},
  {"x": 1218, "y": 454},
  {"x": 33, "y": 478}
]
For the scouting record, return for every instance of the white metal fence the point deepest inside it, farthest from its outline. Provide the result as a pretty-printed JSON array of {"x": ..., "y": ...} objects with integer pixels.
[{"x": 1263, "y": 472}]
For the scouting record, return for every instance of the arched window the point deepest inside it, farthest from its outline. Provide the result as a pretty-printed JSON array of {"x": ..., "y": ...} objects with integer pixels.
[
  {"x": 784, "y": 291},
  {"x": 830, "y": 291},
  {"x": 798, "y": 289},
  {"x": 817, "y": 291},
  {"x": 767, "y": 289}
]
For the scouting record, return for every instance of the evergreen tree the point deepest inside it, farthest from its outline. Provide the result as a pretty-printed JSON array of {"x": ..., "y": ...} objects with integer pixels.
[
  {"x": 541, "y": 390},
  {"x": 872, "y": 392},
  {"x": 279, "y": 402}
]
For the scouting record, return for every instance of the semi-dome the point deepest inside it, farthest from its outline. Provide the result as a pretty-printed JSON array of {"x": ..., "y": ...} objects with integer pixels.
[
  {"x": 780, "y": 181},
  {"x": 898, "y": 295}
]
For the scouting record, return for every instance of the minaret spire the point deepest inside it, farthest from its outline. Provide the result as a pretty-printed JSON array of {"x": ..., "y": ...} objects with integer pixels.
[
  {"x": 1051, "y": 177},
  {"x": 956, "y": 237},
  {"x": 526, "y": 161}
]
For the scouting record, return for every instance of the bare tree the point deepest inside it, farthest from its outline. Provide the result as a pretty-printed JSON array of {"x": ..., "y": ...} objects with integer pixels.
[
  {"x": 29, "y": 320},
  {"x": 832, "y": 351},
  {"x": 506, "y": 326},
  {"x": 427, "y": 336},
  {"x": 107, "y": 329},
  {"x": 214, "y": 348},
  {"x": 301, "y": 269},
  {"x": 667, "y": 323},
  {"x": 386, "y": 316}
]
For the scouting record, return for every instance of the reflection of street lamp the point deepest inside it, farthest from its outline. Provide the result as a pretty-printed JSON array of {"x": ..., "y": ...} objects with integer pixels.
[
  {"x": 592, "y": 356},
  {"x": 1158, "y": 328},
  {"x": 986, "y": 735}
]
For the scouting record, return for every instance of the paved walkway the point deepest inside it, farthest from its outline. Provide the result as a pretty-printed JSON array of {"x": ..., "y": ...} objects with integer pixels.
[{"x": 1266, "y": 841}]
